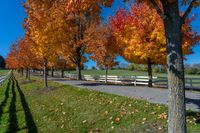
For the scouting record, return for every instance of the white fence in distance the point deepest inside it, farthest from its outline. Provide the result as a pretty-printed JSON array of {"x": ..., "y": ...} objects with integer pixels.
[
  {"x": 191, "y": 83},
  {"x": 2, "y": 79}
]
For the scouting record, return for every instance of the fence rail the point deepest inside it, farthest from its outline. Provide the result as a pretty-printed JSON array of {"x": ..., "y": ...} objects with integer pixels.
[
  {"x": 191, "y": 83},
  {"x": 2, "y": 79}
]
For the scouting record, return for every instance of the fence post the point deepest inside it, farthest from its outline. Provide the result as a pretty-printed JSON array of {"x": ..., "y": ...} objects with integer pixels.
[{"x": 135, "y": 80}]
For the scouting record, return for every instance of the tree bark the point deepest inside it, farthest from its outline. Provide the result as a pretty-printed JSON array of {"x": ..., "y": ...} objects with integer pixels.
[
  {"x": 106, "y": 78},
  {"x": 27, "y": 73},
  {"x": 78, "y": 69},
  {"x": 62, "y": 73},
  {"x": 18, "y": 71},
  {"x": 45, "y": 73},
  {"x": 176, "y": 83},
  {"x": 150, "y": 73},
  {"x": 22, "y": 72},
  {"x": 52, "y": 72}
]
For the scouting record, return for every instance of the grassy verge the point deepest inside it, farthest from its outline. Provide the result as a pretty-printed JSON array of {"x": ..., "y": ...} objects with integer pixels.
[
  {"x": 2, "y": 71},
  {"x": 27, "y": 106}
]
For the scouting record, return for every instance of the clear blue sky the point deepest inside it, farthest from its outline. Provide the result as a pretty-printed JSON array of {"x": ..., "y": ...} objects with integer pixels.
[{"x": 11, "y": 20}]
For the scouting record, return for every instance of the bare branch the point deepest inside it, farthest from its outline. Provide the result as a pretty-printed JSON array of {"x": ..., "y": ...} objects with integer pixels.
[
  {"x": 189, "y": 9},
  {"x": 159, "y": 11}
]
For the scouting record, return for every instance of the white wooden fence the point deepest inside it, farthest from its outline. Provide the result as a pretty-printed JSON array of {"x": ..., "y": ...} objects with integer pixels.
[
  {"x": 2, "y": 79},
  {"x": 191, "y": 83}
]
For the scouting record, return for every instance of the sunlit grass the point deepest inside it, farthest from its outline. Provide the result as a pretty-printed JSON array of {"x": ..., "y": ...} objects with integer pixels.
[
  {"x": 63, "y": 108},
  {"x": 2, "y": 71}
]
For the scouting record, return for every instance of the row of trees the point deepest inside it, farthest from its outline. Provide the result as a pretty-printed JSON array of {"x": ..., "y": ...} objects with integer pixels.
[
  {"x": 146, "y": 34},
  {"x": 58, "y": 35}
]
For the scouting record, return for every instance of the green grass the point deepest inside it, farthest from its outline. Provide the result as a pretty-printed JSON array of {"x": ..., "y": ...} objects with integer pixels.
[
  {"x": 125, "y": 73},
  {"x": 2, "y": 71},
  {"x": 28, "y": 106}
]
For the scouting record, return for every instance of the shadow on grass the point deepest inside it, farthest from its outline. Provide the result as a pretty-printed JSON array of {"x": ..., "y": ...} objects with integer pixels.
[
  {"x": 196, "y": 115},
  {"x": 191, "y": 113},
  {"x": 3, "y": 103},
  {"x": 13, "y": 123},
  {"x": 193, "y": 101},
  {"x": 31, "y": 126}
]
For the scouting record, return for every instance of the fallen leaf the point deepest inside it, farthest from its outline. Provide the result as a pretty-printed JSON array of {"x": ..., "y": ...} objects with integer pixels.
[
  {"x": 162, "y": 116},
  {"x": 144, "y": 119},
  {"x": 117, "y": 119},
  {"x": 84, "y": 121}
]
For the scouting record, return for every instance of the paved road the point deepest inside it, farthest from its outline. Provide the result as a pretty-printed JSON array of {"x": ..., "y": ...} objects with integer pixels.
[{"x": 153, "y": 95}]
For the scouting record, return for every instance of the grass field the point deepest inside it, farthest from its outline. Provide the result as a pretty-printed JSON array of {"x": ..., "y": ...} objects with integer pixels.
[
  {"x": 126, "y": 73},
  {"x": 28, "y": 107},
  {"x": 3, "y": 71}
]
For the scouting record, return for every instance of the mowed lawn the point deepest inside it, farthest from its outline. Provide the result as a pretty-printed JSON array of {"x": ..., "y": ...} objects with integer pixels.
[
  {"x": 125, "y": 73},
  {"x": 28, "y": 107},
  {"x": 2, "y": 71}
]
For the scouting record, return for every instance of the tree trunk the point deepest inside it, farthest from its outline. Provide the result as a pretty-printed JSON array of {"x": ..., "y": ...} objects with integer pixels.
[
  {"x": 22, "y": 72},
  {"x": 150, "y": 73},
  {"x": 106, "y": 70},
  {"x": 52, "y": 72},
  {"x": 78, "y": 69},
  {"x": 176, "y": 83},
  {"x": 62, "y": 73},
  {"x": 18, "y": 71},
  {"x": 45, "y": 73},
  {"x": 27, "y": 73}
]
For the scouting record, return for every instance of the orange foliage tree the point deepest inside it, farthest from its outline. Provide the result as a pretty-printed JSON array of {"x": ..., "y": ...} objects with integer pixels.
[
  {"x": 103, "y": 47},
  {"x": 141, "y": 33},
  {"x": 27, "y": 56},
  {"x": 76, "y": 17},
  {"x": 12, "y": 59},
  {"x": 173, "y": 20},
  {"x": 39, "y": 28}
]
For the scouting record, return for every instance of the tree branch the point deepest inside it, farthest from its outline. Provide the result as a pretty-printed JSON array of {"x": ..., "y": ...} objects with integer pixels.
[
  {"x": 187, "y": 12},
  {"x": 159, "y": 11}
]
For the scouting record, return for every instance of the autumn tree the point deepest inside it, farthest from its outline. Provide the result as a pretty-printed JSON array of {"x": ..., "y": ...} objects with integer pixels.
[
  {"x": 173, "y": 19},
  {"x": 103, "y": 47},
  {"x": 27, "y": 56},
  {"x": 141, "y": 33},
  {"x": 12, "y": 60},
  {"x": 39, "y": 28},
  {"x": 76, "y": 17}
]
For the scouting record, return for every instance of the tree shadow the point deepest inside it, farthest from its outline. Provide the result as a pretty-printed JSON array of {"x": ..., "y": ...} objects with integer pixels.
[
  {"x": 31, "y": 126},
  {"x": 13, "y": 123},
  {"x": 193, "y": 101},
  {"x": 196, "y": 115},
  {"x": 192, "y": 113},
  {"x": 3, "y": 103}
]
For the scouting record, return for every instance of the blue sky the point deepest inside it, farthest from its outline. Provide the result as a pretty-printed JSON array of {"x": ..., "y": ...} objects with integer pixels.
[{"x": 11, "y": 20}]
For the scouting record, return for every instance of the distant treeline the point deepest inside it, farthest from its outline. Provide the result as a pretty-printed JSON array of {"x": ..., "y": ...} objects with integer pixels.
[
  {"x": 2, "y": 62},
  {"x": 189, "y": 69}
]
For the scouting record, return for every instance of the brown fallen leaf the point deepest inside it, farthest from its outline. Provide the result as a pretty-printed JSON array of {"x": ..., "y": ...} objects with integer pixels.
[
  {"x": 162, "y": 116},
  {"x": 117, "y": 119}
]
